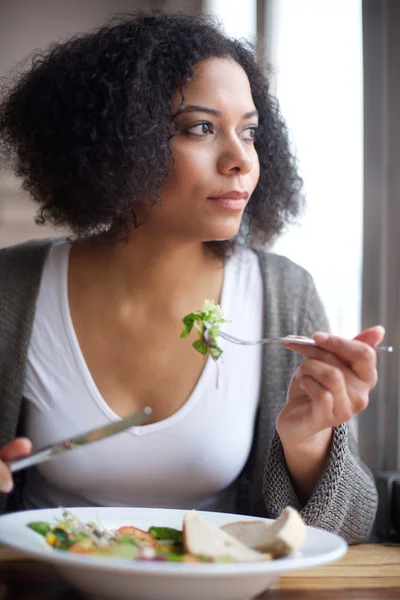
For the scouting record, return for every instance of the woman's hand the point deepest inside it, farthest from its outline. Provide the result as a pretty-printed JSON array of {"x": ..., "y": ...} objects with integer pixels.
[
  {"x": 16, "y": 449},
  {"x": 329, "y": 388}
]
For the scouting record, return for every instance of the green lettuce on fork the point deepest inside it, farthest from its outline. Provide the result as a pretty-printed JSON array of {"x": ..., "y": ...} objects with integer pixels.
[{"x": 207, "y": 322}]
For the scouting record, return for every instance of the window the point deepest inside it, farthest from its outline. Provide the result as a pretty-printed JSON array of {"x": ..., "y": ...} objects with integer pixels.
[{"x": 316, "y": 50}]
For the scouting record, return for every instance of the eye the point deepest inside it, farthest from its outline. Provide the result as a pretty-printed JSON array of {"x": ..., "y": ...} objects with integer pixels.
[
  {"x": 249, "y": 134},
  {"x": 200, "y": 129}
]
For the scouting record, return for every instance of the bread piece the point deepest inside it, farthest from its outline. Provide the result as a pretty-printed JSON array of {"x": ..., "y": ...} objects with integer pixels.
[
  {"x": 250, "y": 533},
  {"x": 200, "y": 537},
  {"x": 284, "y": 535}
]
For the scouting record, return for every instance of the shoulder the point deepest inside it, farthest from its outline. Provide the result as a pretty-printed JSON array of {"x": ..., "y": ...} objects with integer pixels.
[
  {"x": 25, "y": 254},
  {"x": 22, "y": 264},
  {"x": 290, "y": 294},
  {"x": 21, "y": 269},
  {"x": 281, "y": 273}
]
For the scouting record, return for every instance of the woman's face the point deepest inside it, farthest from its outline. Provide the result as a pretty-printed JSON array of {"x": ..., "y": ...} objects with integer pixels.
[{"x": 216, "y": 166}]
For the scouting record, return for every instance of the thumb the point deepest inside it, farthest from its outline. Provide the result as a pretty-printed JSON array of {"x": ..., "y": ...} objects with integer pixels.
[
  {"x": 372, "y": 336},
  {"x": 16, "y": 449}
]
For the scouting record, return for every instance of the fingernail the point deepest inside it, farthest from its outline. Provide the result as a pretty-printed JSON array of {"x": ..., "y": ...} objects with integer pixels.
[{"x": 320, "y": 336}]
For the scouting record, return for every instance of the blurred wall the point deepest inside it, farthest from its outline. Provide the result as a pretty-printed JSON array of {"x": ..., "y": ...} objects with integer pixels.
[{"x": 27, "y": 25}]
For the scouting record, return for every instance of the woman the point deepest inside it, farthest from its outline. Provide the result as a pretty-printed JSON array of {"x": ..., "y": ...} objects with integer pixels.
[{"x": 155, "y": 140}]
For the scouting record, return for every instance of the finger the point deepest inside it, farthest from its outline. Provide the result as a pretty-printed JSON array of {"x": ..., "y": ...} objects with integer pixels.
[
  {"x": 318, "y": 353},
  {"x": 338, "y": 379},
  {"x": 6, "y": 483},
  {"x": 330, "y": 378},
  {"x": 322, "y": 400},
  {"x": 360, "y": 356},
  {"x": 16, "y": 449},
  {"x": 372, "y": 336},
  {"x": 327, "y": 408}
]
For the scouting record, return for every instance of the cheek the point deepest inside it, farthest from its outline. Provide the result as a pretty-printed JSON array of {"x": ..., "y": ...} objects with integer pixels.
[
  {"x": 255, "y": 173},
  {"x": 191, "y": 169}
]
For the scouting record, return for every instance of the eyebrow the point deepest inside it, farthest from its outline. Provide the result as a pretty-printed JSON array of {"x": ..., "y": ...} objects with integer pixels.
[{"x": 210, "y": 111}]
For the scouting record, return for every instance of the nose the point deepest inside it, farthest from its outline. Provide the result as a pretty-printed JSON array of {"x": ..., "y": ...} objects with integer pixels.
[{"x": 234, "y": 159}]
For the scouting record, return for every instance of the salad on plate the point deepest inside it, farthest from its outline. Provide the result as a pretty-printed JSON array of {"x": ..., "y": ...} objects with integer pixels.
[{"x": 199, "y": 540}]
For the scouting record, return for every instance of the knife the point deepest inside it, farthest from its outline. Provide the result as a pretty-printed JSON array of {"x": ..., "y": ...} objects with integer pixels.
[{"x": 100, "y": 433}]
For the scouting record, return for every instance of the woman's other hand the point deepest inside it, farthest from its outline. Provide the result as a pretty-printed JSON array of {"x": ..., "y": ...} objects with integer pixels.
[
  {"x": 16, "y": 449},
  {"x": 330, "y": 387}
]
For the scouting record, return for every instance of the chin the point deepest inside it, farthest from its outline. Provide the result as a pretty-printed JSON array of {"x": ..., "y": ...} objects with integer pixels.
[
  {"x": 222, "y": 237},
  {"x": 222, "y": 232}
]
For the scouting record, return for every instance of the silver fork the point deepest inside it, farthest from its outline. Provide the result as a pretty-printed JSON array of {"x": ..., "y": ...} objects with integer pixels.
[{"x": 292, "y": 339}]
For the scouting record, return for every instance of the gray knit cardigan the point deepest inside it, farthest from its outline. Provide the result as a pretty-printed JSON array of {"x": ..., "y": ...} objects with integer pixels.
[{"x": 345, "y": 498}]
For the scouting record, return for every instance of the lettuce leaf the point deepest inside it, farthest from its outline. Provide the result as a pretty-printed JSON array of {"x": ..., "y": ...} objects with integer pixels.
[
  {"x": 166, "y": 533},
  {"x": 207, "y": 322}
]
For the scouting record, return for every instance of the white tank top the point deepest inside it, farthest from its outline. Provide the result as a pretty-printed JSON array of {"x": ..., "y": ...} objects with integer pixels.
[{"x": 188, "y": 460}]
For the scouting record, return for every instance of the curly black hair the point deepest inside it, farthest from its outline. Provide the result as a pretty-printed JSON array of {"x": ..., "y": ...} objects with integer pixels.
[{"x": 87, "y": 126}]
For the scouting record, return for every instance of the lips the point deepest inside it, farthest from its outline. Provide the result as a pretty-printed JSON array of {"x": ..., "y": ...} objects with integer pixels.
[
  {"x": 232, "y": 195},
  {"x": 233, "y": 200}
]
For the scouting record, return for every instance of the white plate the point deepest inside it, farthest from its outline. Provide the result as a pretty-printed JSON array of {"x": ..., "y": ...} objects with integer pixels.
[{"x": 119, "y": 579}]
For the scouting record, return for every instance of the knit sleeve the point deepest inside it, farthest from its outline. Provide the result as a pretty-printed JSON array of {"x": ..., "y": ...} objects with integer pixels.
[{"x": 345, "y": 498}]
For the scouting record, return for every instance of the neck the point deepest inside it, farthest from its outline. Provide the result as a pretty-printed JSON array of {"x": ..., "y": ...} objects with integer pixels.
[{"x": 162, "y": 272}]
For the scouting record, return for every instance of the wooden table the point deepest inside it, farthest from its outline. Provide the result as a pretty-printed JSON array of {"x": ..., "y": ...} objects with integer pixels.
[{"x": 366, "y": 572}]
